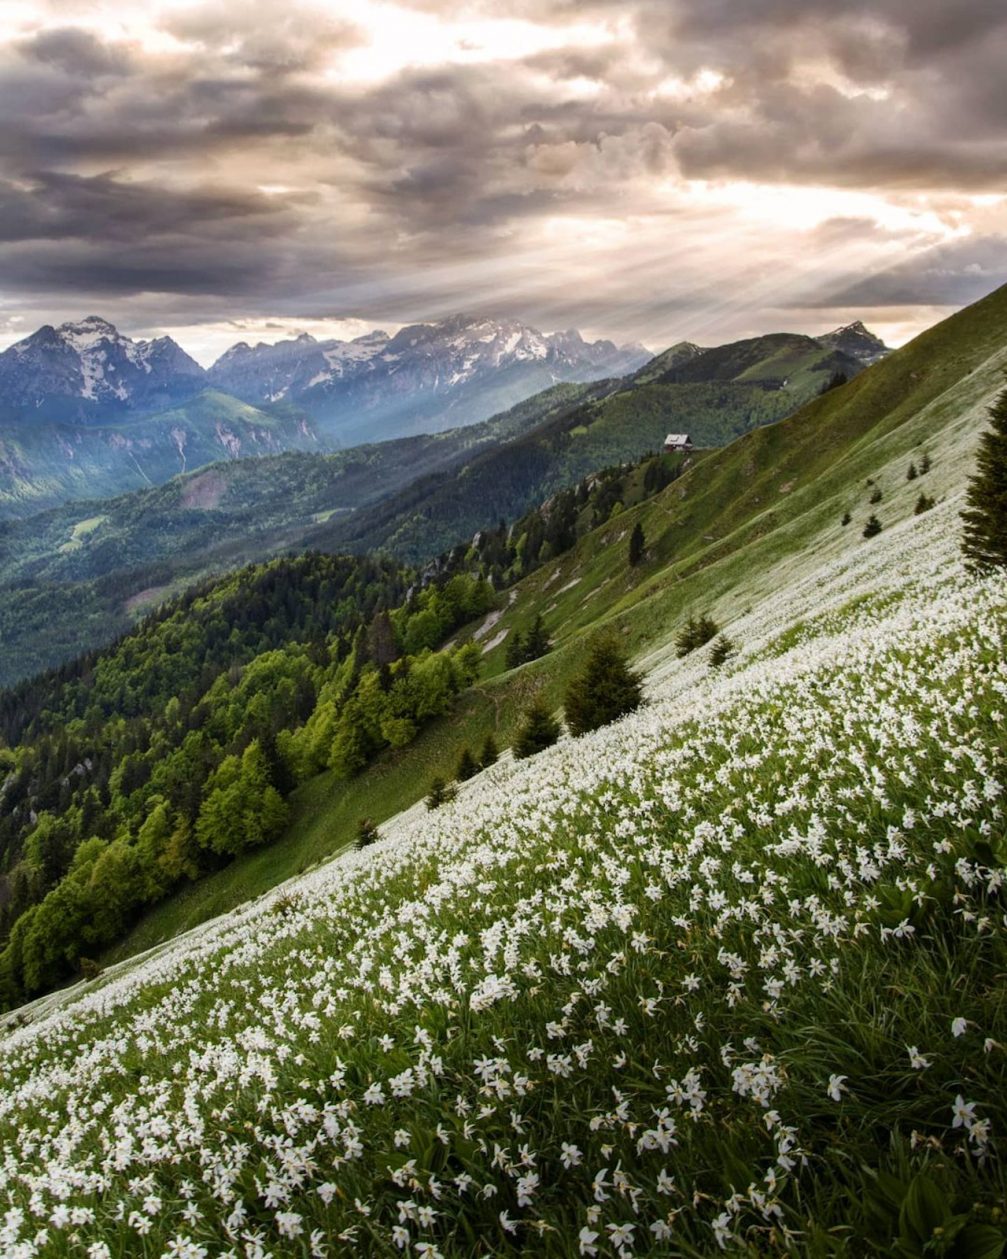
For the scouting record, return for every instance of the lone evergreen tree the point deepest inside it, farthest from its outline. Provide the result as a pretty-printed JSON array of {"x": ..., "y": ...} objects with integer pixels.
[
  {"x": 490, "y": 753},
  {"x": 911, "y": 473},
  {"x": 637, "y": 545},
  {"x": 514, "y": 654},
  {"x": 539, "y": 730},
  {"x": 721, "y": 649},
  {"x": 536, "y": 641},
  {"x": 876, "y": 495},
  {"x": 925, "y": 464},
  {"x": 984, "y": 542},
  {"x": 697, "y": 631},
  {"x": 467, "y": 766},
  {"x": 440, "y": 793},
  {"x": 605, "y": 689},
  {"x": 873, "y": 527}
]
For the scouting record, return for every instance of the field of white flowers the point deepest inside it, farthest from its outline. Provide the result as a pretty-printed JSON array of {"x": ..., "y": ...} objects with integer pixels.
[{"x": 728, "y": 975}]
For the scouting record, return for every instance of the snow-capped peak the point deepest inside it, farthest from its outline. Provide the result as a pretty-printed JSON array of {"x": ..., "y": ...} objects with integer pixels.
[{"x": 82, "y": 364}]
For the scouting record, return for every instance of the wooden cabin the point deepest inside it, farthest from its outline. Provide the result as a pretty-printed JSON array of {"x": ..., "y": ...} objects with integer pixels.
[{"x": 677, "y": 441}]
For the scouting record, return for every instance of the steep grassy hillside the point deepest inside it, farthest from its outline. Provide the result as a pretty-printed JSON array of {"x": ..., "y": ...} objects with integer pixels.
[
  {"x": 714, "y": 395},
  {"x": 722, "y": 976},
  {"x": 760, "y": 516}
]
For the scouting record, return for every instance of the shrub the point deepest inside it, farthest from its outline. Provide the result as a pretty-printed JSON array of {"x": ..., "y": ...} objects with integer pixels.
[
  {"x": 539, "y": 730},
  {"x": 846, "y": 519},
  {"x": 925, "y": 464},
  {"x": 876, "y": 496},
  {"x": 605, "y": 689},
  {"x": 911, "y": 473},
  {"x": 721, "y": 649},
  {"x": 90, "y": 969},
  {"x": 923, "y": 503},
  {"x": 696, "y": 632},
  {"x": 367, "y": 832},
  {"x": 872, "y": 528}
]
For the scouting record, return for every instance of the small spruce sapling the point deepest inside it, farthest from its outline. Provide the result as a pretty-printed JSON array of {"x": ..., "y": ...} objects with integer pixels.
[
  {"x": 539, "y": 730},
  {"x": 876, "y": 495},
  {"x": 468, "y": 767},
  {"x": 721, "y": 649},
  {"x": 911, "y": 473},
  {"x": 605, "y": 689},
  {"x": 637, "y": 545},
  {"x": 873, "y": 527},
  {"x": 490, "y": 753},
  {"x": 696, "y": 632},
  {"x": 514, "y": 654},
  {"x": 440, "y": 793},
  {"x": 923, "y": 503},
  {"x": 846, "y": 519}
]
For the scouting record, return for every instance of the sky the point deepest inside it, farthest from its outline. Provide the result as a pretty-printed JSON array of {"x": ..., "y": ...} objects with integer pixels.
[{"x": 649, "y": 170}]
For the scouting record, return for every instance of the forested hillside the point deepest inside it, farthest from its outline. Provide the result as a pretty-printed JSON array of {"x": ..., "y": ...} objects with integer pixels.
[{"x": 150, "y": 764}]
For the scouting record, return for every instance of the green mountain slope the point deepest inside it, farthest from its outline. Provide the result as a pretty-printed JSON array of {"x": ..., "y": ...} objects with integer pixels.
[
  {"x": 762, "y": 515},
  {"x": 714, "y": 395},
  {"x": 44, "y": 463},
  {"x": 723, "y": 975}
]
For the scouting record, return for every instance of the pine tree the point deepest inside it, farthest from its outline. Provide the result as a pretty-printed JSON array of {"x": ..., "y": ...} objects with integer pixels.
[
  {"x": 984, "y": 542},
  {"x": 925, "y": 464},
  {"x": 637, "y": 545},
  {"x": 514, "y": 654},
  {"x": 876, "y": 495},
  {"x": 536, "y": 641},
  {"x": 539, "y": 730},
  {"x": 721, "y": 649},
  {"x": 490, "y": 753},
  {"x": 606, "y": 688},
  {"x": 872, "y": 528},
  {"x": 440, "y": 793},
  {"x": 911, "y": 473},
  {"x": 467, "y": 766},
  {"x": 696, "y": 632}
]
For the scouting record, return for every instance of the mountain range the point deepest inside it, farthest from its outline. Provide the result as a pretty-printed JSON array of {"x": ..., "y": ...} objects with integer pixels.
[
  {"x": 87, "y": 412},
  {"x": 425, "y": 378},
  {"x": 77, "y": 574}
]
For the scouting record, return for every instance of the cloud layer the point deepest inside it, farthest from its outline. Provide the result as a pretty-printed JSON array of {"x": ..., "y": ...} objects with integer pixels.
[{"x": 642, "y": 168}]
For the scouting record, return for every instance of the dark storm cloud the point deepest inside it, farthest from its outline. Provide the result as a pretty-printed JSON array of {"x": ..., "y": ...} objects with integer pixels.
[
  {"x": 238, "y": 160},
  {"x": 76, "y": 53}
]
